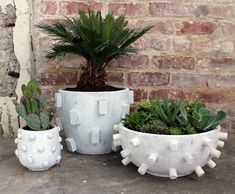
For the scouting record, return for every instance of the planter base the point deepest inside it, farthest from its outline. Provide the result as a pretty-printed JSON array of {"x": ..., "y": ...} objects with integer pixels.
[{"x": 169, "y": 155}]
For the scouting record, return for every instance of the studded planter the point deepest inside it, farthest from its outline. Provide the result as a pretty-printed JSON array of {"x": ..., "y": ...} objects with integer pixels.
[
  {"x": 88, "y": 118},
  {"x": 169, "y": 155},
  {"x": 38, "y": 150}
]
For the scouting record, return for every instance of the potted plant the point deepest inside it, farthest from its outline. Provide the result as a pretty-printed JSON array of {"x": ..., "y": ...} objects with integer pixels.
[
  {"x": 89, "y": 110},
  {"x": 170, "y": 139},
  {"x": 38, "y": 143}
]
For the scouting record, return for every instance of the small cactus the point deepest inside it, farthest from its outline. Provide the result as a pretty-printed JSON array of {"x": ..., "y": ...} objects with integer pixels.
[{"x": 33, "y": 107}]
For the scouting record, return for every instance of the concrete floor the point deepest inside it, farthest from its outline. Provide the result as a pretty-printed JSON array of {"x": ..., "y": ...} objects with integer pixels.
[{"x": 82, "y": 174}]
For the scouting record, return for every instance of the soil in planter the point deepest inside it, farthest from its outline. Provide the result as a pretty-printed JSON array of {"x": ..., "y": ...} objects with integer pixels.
[
  {"x": 29, "y": 129},
  {"x": 105, "y": 88}
]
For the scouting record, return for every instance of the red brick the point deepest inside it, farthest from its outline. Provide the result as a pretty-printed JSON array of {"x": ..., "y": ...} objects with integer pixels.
[
  {"x": 48, "y": 7},
  {"x": 71, "y": 8},
  {"x": 221, "y": 63},
  {"x": 115, "y": 78},
  {"x": 160, "y": 44},
  {"x": 195, "y": 28},
  {"x": 170, "y": 9},
  {"x": 128, "y": 9},
  {"x": 133, "y": 61},
  {"x": 182, "y": 44},
  {"x": 190, "y": 80},
  {"x": 148, "y": 79},
  {"x": 59, "y": 78},
  {"x": 171, "y": 94},
  {"x": 140, "y": 94},
  {"x": 224, "y": 81},
  {"x": 173, "y": 62},
  {"x": 202, "y": 45},
  {"x": 222, "y": 11},
  {"x": 228, "y": 28}
]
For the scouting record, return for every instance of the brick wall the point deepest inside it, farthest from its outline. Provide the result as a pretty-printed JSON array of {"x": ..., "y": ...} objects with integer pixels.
[{"x": 189, "y": 53}]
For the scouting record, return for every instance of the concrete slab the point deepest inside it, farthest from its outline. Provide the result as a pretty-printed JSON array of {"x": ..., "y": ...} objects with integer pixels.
[{"x": 82, "y": 174}]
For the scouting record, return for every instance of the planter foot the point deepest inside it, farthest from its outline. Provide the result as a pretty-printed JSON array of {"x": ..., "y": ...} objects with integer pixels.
[
  {"x": 223, "y": 136},
  {"x": 215, "y": 153},
  {"x": 71, "y": 144},
  {"x": 211, "y": 164},
  {"x": 173, "y": 173},
  {"x": 199, "y": 171},
  {"x": 126, "y": 161},
  {"x": 152, "y": 158},
  {"x": 220, "y": 144},
  {"x": 142, "y": 169},
  {"x": 125, "y": 153}
]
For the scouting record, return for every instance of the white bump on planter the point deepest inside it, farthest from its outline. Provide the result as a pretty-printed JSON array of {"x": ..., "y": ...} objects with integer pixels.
[
  {"x": 116, "y": 137},
  {"x": 40, "y": 149},
  {"x": 116, "y": 128},
  {"x": 211, "y": 164},
  {"x": 220, "y": 144},
  {"x": 135, "y": 141},
  {"x": 16, "y": 140},
  {"x": 143, "y": 168},
  {"x": 116, "y": 143},
  {"x": 71, "y": 144},
  {"x": 131, "y": 97},
  {"x": 215, "y": 153},
  {"x": 125, "y": 153},
  {"x": 207, "y": 142},
  {"x": 32, "y": 137},
  {"x": 174, "y": 145},
  {"x": 61, "y": 147},
  {"x": 218, "y": 127},
  {"x": 58, "y": 159},
  {"x": 125, "y": 110},
  {"x": 49, "y": 135},
  {"x": 95, "y": 135},
  {"x": 30, "y": 159},
  {"x": 116, "y": 148},
  {"x": 58, "y": 99},
  {"x": 126, "y": 161},
  {"x": 188, "y": 158},
  {"x": 53, "y": 149},
  {"x": 223, "y": 136},
  {"x": 152, "y": 158},
  {"x": 59, "y": 139},
  {"x": 19, "y": 136},
  {"x": 45, "y": 163},
  {"x": 74, "y": 117},
  {"x": 103, "y": 107},
  {"x": 17, "y": 153},
  {"x": 173, "y": 173},
  {"x": 59, "y": 123},
  {"x": 24, "y": 148},
  {"x": 199, "y": 171}
]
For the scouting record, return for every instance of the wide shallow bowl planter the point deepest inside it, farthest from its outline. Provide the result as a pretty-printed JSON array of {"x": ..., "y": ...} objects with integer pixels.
[
  {"x": 88, "y": 118},
  {"x": 169, "y": 155},
  {"x": 38, "y": 150}
]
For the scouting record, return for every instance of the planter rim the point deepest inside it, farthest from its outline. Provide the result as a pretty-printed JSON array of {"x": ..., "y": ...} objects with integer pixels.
[
  {"x": 40, "y": 131},
  {"x": 95, "y": 92},
  {"x": 163, "y": 135}
]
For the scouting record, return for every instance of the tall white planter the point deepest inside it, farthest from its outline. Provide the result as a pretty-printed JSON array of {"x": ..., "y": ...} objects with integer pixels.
[
  {"x": 169, "y": 155},
  {"x": 38, "y": 150},
  {"x": 88, "y": 118}
]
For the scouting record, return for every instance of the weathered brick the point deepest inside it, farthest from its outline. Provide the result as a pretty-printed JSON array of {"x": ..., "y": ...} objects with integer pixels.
[
  {"x": 190, "y": 80},
  {"x": 195, "y": 28},
  {"x": 170, "y": 9},
  {"x": 228, "y": 28},
  {"x": 71, "y": 8},
  {"x": 224, "y": 81},
  {"x": 160, "y": 44},
  {"x": 202, "y": 45},
  {"x": 48, "y": 7},
  {"x": 140, "y": 94},
  {"x": 222, "y": 63},
  {"x": 128, "y": 9},
  {"x": 174, "y": 62},
  {"x": 182, "y": 44},
  {"x": 222, "y": 11},
  {"x": 133, "y": 61},
  {"x": 115, "y": 78},
  {"x": 202, "y": 10},
  {"x": 148, "y": 79},
  {"x": 58, "y": 78}
]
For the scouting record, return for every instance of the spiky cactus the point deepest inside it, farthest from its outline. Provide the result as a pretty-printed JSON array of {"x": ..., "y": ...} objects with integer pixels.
[{"x": 33, "y": 107}]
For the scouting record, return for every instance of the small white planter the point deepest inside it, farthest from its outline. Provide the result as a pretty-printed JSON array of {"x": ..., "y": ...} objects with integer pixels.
[
  {"x": 169, "y": 155},
  {"x": 38, "y": 150},
  {"x": 88, "y": 118}
]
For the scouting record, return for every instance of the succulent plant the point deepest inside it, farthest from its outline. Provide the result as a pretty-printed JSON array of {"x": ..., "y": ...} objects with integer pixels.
[
  {"x": 155, "y": 127},
  {"x": 33, "y": 107}
]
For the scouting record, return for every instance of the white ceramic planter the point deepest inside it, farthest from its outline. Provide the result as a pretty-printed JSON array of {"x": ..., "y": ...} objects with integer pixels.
[
  {"x": 169, "y": 155},
  {"x": 38, "y": 150},
  {"x": 88, "y": 118}
]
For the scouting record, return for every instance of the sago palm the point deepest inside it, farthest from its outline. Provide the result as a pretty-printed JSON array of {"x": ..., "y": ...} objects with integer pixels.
[{"x": 98, "y": 39}]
